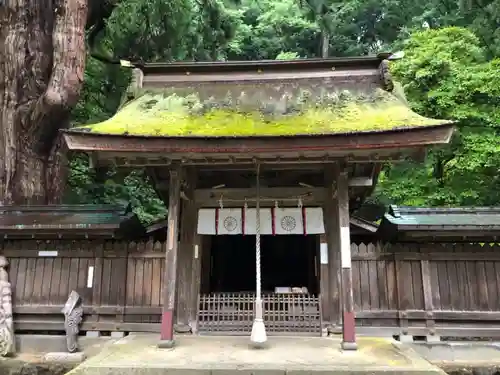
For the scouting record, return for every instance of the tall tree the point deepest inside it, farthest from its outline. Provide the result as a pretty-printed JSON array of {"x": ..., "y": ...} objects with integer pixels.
[{"x": 42, "y": 62}]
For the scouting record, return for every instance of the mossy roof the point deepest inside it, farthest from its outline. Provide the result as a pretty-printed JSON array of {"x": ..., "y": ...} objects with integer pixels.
[{"x": 171, "y": 113}]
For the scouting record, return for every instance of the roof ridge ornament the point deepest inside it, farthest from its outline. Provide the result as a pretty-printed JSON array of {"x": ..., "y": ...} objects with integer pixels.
[
  {"x": 396, "y": 56},
  {"x": 385, "y": 73},
  {"x": 135, "y": 85}
]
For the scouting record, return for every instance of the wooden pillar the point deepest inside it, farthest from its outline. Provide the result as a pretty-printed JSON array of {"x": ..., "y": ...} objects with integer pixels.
[
  {"x": 330, "y": 264},
  {"x": 169, "y": 288},
  {"x": 343, "y": 240},
  {"x": 188, "y": 224},
  {"x": 197, "y": 252}
]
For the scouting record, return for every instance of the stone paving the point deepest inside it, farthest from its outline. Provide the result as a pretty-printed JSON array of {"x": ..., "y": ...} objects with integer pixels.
[
  {"x": 478, "y": 358},
  {"x": 194, "y": 355}
]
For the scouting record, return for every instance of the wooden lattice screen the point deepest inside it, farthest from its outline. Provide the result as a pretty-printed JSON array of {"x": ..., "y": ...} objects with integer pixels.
[{"x": 233, "y": 313}]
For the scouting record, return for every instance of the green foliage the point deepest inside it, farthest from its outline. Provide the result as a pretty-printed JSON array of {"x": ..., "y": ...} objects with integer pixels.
[
  {"x": 265, "y": 28},
  {"x": 141, "y": 30},
  {"x": 450, "y": 71},
  {"x": 445, "y": 74},
  {"x": 109, "y": 186},
  {"x": 287, "y": 56}
]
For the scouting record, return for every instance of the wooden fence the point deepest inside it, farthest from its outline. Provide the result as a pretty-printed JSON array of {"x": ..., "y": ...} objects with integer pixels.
[
  {"x": 428, "y": 289},
  {"x": 120, "y": 283},
  {"x": 415, "y": 289}
]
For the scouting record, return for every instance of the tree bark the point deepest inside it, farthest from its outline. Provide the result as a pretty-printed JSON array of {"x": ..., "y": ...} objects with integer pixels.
[
  {"x": 325, "y": 44},
  {"x": 42, "y": 61}
]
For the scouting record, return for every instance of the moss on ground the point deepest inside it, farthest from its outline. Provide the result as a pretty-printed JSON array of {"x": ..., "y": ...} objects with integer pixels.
[
  {"x": 174, "y": 114},
  {"x": 12, "y": 366}
]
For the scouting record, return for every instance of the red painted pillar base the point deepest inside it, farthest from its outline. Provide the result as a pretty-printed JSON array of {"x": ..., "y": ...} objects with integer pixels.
[
  {"x": 348, "y": 318},
  {"x": 167, "y": 330},
  {"x": 348, "y": 331}
]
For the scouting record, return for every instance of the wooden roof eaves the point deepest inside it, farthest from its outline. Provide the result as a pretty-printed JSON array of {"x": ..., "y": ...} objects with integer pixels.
[
  {"x": 398, "y": 211},
  {"x": 395, "y": 138},
  {"x": 238, "y": 66},
  {"x": 445, "y": 227},
  {"x": 389, "y": 230},
  {"x": 47, "y": 232},
  {"x": 128, "y": 227},
  {"x": 73, "y": 208},
  {"x": 366, "y": 225},
  {"x": 159, "y": 225}
]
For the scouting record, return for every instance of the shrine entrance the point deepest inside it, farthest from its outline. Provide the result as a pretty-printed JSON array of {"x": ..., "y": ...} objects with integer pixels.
[
  {"x": 290, "y": 284},
  {"x": 287, "y": 262}
]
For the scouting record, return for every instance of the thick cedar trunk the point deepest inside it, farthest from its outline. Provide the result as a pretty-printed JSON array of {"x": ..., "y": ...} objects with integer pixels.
[{"x": 42, "y": 56}]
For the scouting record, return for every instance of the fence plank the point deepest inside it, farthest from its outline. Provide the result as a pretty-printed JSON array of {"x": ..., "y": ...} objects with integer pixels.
[{"x": 454, "y": 288}]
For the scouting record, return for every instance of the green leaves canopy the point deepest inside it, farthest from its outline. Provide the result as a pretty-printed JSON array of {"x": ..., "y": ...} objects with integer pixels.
[{"x": 450, "y": 71}]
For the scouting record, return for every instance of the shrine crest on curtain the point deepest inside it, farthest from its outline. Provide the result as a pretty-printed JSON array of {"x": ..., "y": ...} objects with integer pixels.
[{"x": 274, "y": 221}]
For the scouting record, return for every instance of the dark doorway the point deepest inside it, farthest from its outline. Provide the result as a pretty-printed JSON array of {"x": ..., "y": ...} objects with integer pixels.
[{"x": 286, "y": 261}]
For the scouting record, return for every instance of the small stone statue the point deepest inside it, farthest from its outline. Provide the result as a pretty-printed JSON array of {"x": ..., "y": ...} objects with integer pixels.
[
  {"x": 6, "y": 321},
  {"x": 73, "y": 314}
]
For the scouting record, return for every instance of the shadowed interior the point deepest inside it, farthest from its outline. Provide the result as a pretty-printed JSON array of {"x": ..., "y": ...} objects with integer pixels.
[{"x": 286, "y": 261}]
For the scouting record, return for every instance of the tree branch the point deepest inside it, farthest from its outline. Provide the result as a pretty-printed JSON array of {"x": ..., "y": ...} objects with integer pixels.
[
  {"x": 99, "y": 12},
  {"x": 52, "y": 109}
]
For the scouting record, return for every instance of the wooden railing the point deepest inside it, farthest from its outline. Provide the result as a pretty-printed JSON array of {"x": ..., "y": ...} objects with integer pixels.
[{"x": 233, "y": 313}]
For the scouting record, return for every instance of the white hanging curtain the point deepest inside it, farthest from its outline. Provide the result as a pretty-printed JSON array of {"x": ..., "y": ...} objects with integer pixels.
[
  {"x": 229, "y": 221},
  {"x": 279, "y": 221},
  {"x": 314, "y": 220},
  {"x": 206, "y": 221},
  {"x": 288, "y": 221},
  {"x": 266, "y": 221}
]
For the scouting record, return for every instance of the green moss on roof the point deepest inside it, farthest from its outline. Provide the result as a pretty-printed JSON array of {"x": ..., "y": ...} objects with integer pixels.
[{"x": 174, "y": 114}]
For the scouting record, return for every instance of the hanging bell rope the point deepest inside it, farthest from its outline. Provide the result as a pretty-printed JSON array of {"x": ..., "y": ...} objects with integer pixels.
[
  {"x": 257, "y": 237},
  {"x": 258, "y": 336}
]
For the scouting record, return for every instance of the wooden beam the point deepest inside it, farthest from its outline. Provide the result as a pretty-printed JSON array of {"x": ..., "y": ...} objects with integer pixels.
[
  {"x": 210, "y": 197},
  {"x": 170, "y": 278},
  {"x": 353, "y": 182},
  {"x": 249, "y": 160},
  {"x": 360, "y": 182},
  {"x": 265, "y": 167}
]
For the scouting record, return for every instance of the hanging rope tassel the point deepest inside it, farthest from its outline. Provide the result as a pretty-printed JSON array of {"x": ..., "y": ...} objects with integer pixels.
[{"x": 258, "y": 336}]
